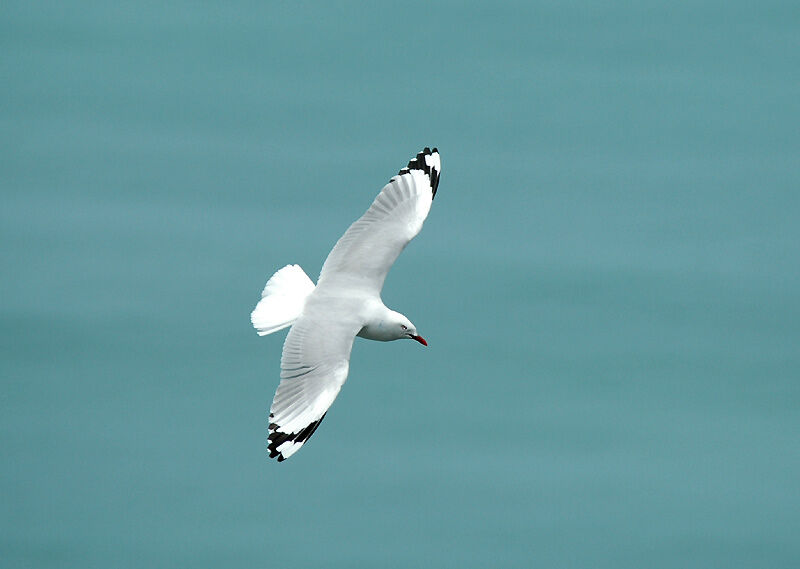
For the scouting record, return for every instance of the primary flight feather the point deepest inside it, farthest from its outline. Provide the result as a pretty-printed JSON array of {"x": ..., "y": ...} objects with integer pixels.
[{"x": 345, "y": 303}]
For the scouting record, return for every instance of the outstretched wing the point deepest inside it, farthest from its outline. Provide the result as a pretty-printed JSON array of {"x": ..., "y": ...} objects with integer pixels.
[
  {"x": 365, "y": 253},
  {"x": 314, "y": 365}
]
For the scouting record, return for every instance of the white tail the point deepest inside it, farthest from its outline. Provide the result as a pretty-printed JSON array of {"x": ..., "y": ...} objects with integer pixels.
[{"x": 282, "y": 300}]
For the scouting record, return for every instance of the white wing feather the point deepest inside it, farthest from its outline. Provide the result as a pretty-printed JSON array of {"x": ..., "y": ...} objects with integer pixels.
[
  {"x": 362, "y": 257},
  {"x": 314, "y": 365}
]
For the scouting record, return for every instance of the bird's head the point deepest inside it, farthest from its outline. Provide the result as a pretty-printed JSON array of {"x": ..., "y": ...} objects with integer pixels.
[{"x": 404, "y": 328}]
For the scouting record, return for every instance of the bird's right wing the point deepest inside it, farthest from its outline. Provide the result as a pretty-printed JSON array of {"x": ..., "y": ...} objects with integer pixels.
[
  {"x": 314, "y": 365},
  {"x": 363, "y": 256}
]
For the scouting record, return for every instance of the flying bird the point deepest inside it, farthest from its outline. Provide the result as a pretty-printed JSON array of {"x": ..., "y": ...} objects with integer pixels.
[{"x": 345, "y": 303}]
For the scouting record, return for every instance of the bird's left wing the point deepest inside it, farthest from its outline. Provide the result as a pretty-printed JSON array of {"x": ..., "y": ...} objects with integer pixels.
[
  {"x": 314, "y": 366},
  {"x": 364, "y": 254}
]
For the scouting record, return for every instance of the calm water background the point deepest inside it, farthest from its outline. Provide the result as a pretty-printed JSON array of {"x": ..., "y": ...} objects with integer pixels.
[{"x": 609, "y": 281}]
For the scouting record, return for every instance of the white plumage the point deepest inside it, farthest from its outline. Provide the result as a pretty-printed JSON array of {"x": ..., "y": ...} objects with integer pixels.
[
  {"x": 346, "y": 302},
  {"x": 281, "y": 300}
]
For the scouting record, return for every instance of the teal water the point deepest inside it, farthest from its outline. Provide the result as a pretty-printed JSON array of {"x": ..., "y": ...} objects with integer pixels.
[{"x": 609, "y": 282}]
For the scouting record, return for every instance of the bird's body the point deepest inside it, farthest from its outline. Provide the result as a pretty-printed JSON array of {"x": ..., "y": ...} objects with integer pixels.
[{"x": 345, "y": 303}]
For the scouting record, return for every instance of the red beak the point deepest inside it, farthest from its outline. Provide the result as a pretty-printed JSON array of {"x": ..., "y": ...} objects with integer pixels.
[{"x": 420, "y": 339}]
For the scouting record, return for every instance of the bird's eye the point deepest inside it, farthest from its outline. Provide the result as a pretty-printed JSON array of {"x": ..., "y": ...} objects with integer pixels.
[{"x": 403, "y": 326}]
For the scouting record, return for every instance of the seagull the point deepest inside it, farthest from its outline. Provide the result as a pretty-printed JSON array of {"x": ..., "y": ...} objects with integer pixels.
[{"x": 345, "y": 303}]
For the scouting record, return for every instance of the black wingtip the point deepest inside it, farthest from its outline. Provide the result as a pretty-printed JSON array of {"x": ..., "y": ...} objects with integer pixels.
[
  {"x": 420, "y": 163},
  {"x": 277, "y": 438}
]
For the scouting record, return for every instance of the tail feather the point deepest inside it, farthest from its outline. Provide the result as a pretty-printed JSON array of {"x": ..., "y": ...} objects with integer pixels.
[{"x": 282, "y": 300}]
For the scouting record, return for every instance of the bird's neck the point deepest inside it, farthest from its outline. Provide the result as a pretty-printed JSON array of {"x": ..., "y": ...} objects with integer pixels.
[{"x": 379, "y": 323}]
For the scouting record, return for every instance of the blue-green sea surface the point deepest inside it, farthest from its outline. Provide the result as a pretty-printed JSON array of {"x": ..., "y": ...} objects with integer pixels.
[{"x": 608, "y": 280}]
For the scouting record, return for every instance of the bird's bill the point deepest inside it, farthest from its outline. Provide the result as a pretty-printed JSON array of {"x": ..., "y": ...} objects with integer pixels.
[{"x": 420, "y": 339}]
